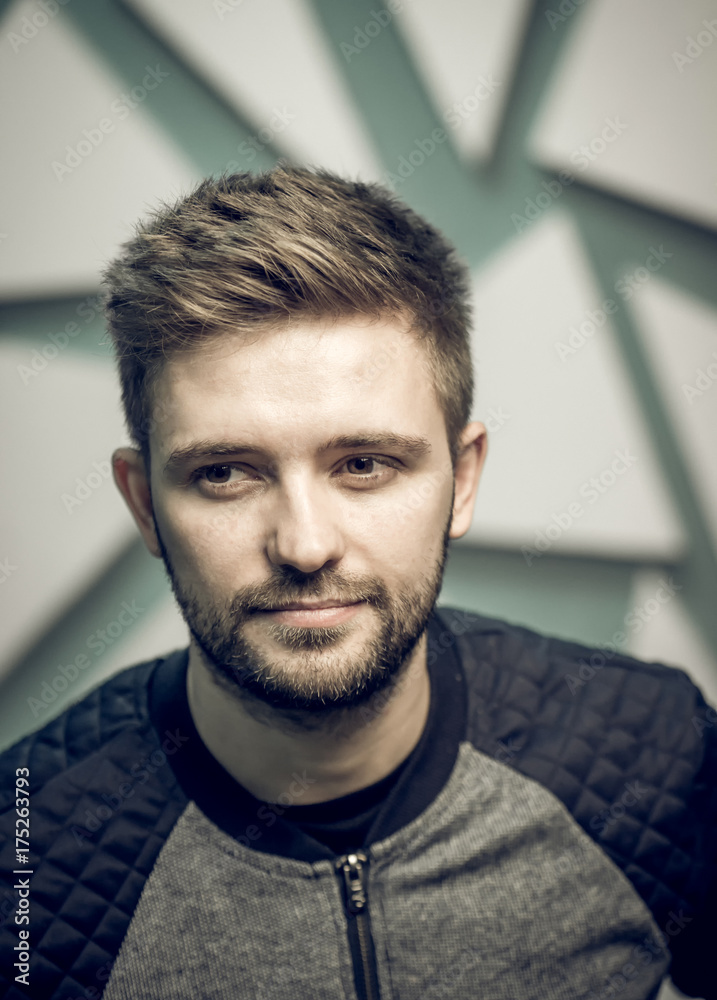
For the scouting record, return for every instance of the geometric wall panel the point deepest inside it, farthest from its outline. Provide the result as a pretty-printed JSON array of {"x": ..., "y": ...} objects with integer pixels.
[
  {"x": 157, "y": 632},
  {"x": 660, "y": 629},
  {"x": 63, "y": 519},
  {"x": 679, "y": 334},
  {"x": 631, "y": 104},
  {"x": 271, "y": 63},
  {"x": 82, "y": 157},
  {"x": 466, "y": 54},
  {"x": 571, "y": 467}
]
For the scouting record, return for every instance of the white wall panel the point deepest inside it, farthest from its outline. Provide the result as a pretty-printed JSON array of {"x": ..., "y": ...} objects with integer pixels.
[
  {"x": 466, "y": 54},
  {"x": 560, "y": 417},
  {"x": 270, "y": 61},
  {"x": 644, "y": 75},
  {"x": 63, "y": 519},
  {"x": 679, "y": 334},
  {"x": 70, "y": 190}
]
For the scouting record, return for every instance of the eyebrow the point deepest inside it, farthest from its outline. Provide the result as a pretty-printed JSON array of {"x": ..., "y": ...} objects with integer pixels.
[{"x": 410, "y": 444}]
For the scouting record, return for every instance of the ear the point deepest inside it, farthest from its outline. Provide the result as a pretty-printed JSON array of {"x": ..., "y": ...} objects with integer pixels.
[
  {"x": 469, "y": 465},
  {"x": 130, "y": 474}
]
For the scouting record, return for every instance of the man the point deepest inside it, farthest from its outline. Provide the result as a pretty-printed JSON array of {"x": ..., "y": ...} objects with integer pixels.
[{"x": 339, "y": 791}]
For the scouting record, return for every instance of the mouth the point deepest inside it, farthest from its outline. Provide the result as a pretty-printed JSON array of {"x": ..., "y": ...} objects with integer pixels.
[{"x": 315, "y": 613}]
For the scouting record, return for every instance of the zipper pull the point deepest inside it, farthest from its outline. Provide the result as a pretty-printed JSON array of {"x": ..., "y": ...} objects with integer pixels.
[{"x": 352, "y": 868}]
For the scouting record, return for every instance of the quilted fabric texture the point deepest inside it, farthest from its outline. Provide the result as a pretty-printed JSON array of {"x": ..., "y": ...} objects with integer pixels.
[
  {"x": 91, "y": 857},
  {"x": 629, "y": 748}
]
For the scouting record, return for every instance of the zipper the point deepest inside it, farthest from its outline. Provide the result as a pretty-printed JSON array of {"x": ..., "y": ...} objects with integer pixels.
[{"x": 355, "y": 883}]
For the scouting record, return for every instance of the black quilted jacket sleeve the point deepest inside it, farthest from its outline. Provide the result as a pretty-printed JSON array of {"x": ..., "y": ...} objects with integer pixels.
[
  {"x": 630, "y": 748},
  {"x": 91, "y": 850}
]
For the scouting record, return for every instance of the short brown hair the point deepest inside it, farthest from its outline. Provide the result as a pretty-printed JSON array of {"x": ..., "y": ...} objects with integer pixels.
[{"x": 250, "y": 251}]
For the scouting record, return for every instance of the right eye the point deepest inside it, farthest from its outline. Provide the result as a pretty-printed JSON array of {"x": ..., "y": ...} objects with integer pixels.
[{"x": 221, "y": 477}]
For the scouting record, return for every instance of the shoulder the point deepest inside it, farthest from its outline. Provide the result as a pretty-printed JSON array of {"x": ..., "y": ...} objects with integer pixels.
[
  {"x": 519, "y": 667},
  {"x": 569, "y": 705},
  {"x": 80, "y": 732},
  {"x": 630, "y": 748},
  {"x": 102, "y": 799}
]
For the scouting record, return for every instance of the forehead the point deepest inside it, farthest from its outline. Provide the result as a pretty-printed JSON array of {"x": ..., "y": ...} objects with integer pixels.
[{"x": 286, "y": 387}]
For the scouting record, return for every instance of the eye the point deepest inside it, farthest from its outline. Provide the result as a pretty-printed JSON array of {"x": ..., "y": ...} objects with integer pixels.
[
  {"x": 218, "y": 474},
  {"x": 220, "y": 478},
  {"x": 368, "y": 470},
  {"x": 361, "y": 465}
]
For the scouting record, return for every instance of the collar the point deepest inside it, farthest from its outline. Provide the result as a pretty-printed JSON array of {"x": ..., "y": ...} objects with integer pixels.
[{"x": 259, "y": 825}]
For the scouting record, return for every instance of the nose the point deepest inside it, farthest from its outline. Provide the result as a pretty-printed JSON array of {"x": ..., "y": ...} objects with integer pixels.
[{"x": 305, "y": 533}]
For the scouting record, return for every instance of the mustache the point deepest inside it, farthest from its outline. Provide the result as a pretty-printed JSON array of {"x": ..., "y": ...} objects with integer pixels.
[{"x": 289, "y": 586}]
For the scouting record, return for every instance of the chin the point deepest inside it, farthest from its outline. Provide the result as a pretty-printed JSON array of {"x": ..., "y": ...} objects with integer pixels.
[{"x": 311, "y": 677}]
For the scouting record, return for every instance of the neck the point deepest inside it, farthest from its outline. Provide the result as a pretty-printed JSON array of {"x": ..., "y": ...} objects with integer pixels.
[{"x": 339, "y": 754}]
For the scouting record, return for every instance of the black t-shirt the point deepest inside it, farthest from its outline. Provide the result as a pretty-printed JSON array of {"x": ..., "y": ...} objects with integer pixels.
[
  {"x": 342, "y": 824},
  {"x": 314, "y": 832}
]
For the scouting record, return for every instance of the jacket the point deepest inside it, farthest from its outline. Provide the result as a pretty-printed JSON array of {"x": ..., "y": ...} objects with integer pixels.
[{"x": 553, "y": 835}]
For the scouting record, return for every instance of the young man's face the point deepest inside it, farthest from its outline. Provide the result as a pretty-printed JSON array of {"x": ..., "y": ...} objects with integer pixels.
[{"x": 302, "y": 498}]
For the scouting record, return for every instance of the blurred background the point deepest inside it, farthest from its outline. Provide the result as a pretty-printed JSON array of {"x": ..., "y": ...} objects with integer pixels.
[{"x": 567, "y": 148}]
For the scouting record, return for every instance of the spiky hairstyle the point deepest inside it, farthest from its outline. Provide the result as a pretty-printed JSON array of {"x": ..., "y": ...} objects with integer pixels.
[{"x": 247, "y": 252}]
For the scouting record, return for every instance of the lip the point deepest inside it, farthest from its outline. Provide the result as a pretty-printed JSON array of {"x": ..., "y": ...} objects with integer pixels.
[
  {"x": 314, "y": 605},
  {"x": 315, "y": 613}
]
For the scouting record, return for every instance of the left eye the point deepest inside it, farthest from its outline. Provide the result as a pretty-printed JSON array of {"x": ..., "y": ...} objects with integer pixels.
[
  {"x": 362, "y": 466},
  {"x": 366, "y": 469},
  {"x": 218, "y": 475}
]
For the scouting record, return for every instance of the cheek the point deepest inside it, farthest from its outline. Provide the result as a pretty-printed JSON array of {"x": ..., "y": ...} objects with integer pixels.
[
  {"x": 406, "y": 535},
  {"x": 396, "y": 536},
  {"x": 210, "y": 546}
]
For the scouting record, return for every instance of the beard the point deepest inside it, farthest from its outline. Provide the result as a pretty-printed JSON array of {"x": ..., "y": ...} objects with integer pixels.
[{"x": 309, "y": 670}]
